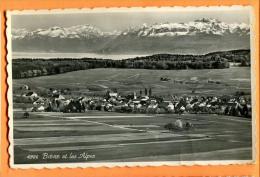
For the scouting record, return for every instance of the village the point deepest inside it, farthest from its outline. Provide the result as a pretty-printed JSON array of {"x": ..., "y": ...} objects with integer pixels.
[{"x": 142, "y": 101}]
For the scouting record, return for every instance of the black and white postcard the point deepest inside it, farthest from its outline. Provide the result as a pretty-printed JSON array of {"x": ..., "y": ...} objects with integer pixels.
[{"x": 130, "y": 87}]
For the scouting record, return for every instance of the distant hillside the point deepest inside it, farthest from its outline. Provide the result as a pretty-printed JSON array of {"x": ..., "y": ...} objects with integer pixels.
[
  {"x": 231, "y": 56},
  {"x": 24, "y": 68}
]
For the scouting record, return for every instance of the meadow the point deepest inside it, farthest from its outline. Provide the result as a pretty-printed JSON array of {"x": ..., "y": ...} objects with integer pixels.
[{"x": 97, "y": 81}]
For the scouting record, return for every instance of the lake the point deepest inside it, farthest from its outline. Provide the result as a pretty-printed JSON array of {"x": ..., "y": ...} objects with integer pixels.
[{"x": 17, "y": 55}]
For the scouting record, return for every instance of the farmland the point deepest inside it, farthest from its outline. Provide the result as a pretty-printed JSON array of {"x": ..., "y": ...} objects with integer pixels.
[
  {"x": 118, "y": 137},
  {"x": 97, "y": 81}
]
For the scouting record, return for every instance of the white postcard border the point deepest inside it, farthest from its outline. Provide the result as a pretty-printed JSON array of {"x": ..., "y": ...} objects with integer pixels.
[{"x": 128, "y": 164}]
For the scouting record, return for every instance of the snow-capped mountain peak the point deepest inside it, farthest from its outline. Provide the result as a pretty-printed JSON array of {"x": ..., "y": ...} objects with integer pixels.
[
  {"x": 201, "y": 26},
  {"x": 208, "y": 20},
  {"x": 19, "y": 33},
  {"x": 79, "y": 31}
]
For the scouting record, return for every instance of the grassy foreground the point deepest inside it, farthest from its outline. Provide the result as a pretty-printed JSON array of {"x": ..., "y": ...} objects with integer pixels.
[{"x": 116, "y": 137}]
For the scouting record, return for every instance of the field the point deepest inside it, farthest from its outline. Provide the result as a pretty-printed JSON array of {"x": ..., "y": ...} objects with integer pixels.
[
  {"x": 129, "y": 137},
  {"x": 97, "y": 81}
]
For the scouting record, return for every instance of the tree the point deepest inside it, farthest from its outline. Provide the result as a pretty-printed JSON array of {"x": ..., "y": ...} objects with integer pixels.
[
  {"x": 107, "y": 96},
  {"x": 244, "y": 63},
  {"x": 150, "y": 92}
]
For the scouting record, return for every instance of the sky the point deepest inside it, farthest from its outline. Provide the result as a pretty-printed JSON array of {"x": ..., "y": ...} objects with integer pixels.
[{"x": 122, "y": 19}]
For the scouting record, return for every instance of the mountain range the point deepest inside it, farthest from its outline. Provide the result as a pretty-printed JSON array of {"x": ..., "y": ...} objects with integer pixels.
[{"x": 196, "y": 37}]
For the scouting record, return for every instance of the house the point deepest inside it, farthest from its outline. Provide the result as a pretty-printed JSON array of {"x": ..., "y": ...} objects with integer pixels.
[
  {"x": 113, "y": 94},
  {"x": 182, "y": 109},
  {"x": 30, "y": 95},
  {"x": 34, "y": 72},
  {"x": 66, "y": 102},
  {"x": 59, "y": 97},
  {"x": 44, "y": 72},
  {"x": 153, "y": 101},
  {"x": 136, "y": 101},
  {"x": 29, "y": 73},
  {"x": 121, "y": 99},
  {"x": 41, "y": 108},
  {"x": 153, "y": 106},
  {"x": 131, "y": 104},
  {"x": 40, "y": 101},
  {"x": 145, "y": 98},
  {"x": 203, "y": 104},
  {"x": 55, "y": 93},
  {"x": 164, "y": 79},
  {"x": 139, "y": 106},
  {"x": 38, "y": 109},
  {"x": 108, "y": 107},
  {"x": 179, "y": 81},
  {"x": 112, "y": 100},
  {"x": 194, "y": 78},
  {"x": 170, "y": 107}
]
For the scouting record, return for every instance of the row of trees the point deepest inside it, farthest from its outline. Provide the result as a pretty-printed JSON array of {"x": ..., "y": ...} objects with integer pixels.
[
  {"x": 24, "y": 68},
  {"x": 32, "y": 68}
]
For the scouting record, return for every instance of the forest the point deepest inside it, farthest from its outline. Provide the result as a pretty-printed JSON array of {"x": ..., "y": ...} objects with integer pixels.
[{"x": 26, "y": 67}]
